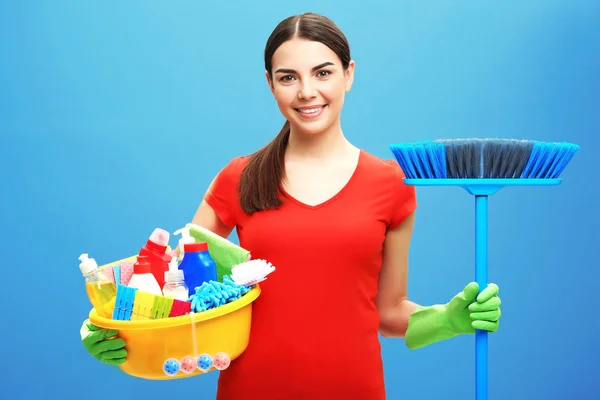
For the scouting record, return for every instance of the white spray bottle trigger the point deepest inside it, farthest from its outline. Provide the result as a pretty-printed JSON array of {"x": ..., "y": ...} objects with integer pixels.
[
  {"x": 186, "y": 238},
  {"x": 185, "y": 233}
]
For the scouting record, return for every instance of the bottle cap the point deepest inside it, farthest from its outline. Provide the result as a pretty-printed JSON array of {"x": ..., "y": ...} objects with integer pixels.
[
  {"x": 87, "y": 264},
  {"x": 173, "y": 266},
  {"x": 195, "y": 247},
  {"x": 142, "y": 266},
  {"x": 174, "y": 276},
  {"x": 160, "y": 237}
]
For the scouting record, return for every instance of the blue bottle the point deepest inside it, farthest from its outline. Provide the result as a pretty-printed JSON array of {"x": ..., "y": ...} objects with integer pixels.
[{"x": 197, "y": 266}]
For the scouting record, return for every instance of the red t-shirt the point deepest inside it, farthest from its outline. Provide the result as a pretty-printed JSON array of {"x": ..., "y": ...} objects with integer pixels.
[{"x": 315, "y": 325}]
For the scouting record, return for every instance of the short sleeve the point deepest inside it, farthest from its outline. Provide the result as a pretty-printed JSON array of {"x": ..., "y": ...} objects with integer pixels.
[
  {"x": 223, "y": 196},
  {"x": 404, "y": 201}
]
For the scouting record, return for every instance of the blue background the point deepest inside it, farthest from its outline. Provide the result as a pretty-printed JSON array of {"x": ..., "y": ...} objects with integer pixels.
[{"x": 115, "y": 116}]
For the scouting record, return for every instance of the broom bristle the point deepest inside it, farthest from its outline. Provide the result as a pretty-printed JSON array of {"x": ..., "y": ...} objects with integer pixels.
[
  {"x": 421, "y": 159},
  {"x": 483, "y": 158},
  {"x": 548, "y": 160}
]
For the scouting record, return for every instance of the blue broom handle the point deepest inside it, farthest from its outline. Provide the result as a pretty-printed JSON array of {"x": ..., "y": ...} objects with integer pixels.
[{"x": 481, "y": 277}]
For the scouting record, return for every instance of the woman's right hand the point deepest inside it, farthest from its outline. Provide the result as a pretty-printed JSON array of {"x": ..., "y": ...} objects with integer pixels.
[{"x": 103, "y": 344}]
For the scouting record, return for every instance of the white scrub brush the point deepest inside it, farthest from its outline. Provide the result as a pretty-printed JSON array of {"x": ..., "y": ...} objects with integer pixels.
[{"x": 251, "y": 272}]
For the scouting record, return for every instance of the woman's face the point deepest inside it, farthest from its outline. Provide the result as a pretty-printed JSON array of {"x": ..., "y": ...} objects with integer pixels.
[{"x": 309, "y": 84}]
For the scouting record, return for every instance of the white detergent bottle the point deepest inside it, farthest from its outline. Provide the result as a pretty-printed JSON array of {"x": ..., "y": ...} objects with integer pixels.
[
  {"x": 143, "y": 279},
  {"x": 175, "y": 287},
  {"x": 186, "y": 238}
]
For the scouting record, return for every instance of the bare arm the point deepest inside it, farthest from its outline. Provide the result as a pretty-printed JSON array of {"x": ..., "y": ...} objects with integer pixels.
[
  {"x": 429, "y": 324},
  {"x": 207, "y": 218},
  {"x": 392, "y": 297}
]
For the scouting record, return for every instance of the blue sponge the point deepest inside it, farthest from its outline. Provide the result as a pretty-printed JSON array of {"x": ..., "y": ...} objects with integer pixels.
[{"x": 214, "y": 294}]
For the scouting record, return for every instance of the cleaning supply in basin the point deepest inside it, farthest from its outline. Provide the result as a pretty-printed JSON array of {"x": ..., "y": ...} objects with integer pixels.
[
  {"x": 101, "y": 291},
  {"x": 143, "y": 279},
  {"x": 109, "y": 273},
  {"x": 251, "y": 272},
  {"x": 142, "y": 306},
  {"x": 225, "y": 253},
  {"x": 162, "y": 307},
  {"x": 125, "y": 271},
  {"x": 155, "y": 250},
  {"x": 180, "y": 308},
  {"x": 186, "y": 238},
  {"x": 215, "y": 294},
  {"x": 117, "y": 275},
  {"x": 175, "y": 287},
  {"x": 197, "y": 266},
  {"x": 124, "y": 303}
]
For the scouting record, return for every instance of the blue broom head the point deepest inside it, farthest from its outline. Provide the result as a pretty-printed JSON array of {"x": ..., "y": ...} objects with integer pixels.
[{"x": 483, "y": 158}]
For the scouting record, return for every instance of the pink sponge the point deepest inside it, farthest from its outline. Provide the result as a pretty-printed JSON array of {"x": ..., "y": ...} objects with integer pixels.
[
  {"x": 126, "y": 272},
  {"x": 109, "y": 272}
]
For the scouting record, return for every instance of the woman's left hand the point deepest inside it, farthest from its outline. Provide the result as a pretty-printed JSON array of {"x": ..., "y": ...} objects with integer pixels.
[{"x": 470, "y": 310}]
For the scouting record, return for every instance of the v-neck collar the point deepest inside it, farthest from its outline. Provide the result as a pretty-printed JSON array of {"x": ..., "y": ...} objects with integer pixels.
[{"x": 335, "y": 196}]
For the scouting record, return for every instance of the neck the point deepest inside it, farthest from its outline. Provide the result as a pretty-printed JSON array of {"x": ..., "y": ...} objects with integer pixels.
[{"x": 325, "y": 144}]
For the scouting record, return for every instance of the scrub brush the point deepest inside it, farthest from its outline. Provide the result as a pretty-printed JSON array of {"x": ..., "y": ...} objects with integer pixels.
[
  {"x": 251, "y": 272},
  {"x": 225, "y": 253},
  {"x": 482, "y": 167}
]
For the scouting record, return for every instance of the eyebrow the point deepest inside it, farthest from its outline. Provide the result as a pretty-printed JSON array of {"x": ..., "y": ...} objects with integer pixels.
[{"x": 291, "y": 71}]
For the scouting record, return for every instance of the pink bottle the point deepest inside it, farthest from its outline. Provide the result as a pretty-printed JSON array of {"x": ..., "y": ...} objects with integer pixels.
[{"x": 155, "y": 251}]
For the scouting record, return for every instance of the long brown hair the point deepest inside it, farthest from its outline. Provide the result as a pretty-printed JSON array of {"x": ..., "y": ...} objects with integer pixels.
[{"x": 260, "y": 183}]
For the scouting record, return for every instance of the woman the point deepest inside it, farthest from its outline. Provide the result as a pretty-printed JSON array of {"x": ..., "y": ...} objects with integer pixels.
[{"x": 337, "y": 223}]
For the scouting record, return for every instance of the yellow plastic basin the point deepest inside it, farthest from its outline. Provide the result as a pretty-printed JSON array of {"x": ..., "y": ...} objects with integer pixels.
[{"x": 150, "y": 343}]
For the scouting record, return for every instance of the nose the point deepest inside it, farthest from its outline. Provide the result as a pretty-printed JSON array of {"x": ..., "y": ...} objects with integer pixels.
[{"x": 307, "y": 91}]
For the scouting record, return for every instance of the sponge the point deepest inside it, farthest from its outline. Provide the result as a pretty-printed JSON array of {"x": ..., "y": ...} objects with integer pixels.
[
  {"x": 126, "y": 271},
  {"x": 225, "y": 253},
  {"x": 215, "y": 294},
  {"x": 109, "y": 272}
]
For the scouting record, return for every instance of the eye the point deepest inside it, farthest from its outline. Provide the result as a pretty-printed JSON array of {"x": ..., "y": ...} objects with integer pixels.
[
  {"x": 323, "y": 74},
  {"x": 286, "y": 78}
]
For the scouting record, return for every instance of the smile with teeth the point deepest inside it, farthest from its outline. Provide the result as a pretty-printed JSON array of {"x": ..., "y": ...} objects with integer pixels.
[{"x": 309, "y": 112}]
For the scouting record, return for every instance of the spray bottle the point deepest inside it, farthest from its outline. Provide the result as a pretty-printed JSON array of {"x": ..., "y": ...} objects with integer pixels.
[
  {"x": 175, "y": 287},
  {"x": 101, "y": 291},
  {"x": 186, "y": 238}
]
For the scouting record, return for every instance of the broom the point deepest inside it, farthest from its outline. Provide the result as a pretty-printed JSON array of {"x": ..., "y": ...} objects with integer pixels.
[{"x": 482, "y": 167}]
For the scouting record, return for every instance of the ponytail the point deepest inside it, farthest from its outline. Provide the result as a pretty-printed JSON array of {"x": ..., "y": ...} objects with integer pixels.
[{"x": 260, "y": 182}]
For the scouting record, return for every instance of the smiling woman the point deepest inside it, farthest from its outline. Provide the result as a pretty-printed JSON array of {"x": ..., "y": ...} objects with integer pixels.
[
  {"x": 311, "y": 90},
  {"x": 337, "y": 222},
  {"x": 309, "y": 69}
]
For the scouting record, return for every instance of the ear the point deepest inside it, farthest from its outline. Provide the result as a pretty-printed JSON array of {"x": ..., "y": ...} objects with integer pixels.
[
  {"x": 349, "y": 75},
  {"x": 269, "y": 82}
]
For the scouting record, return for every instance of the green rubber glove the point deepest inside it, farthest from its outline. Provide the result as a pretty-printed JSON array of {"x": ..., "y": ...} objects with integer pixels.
[
  {"x": 467, "y": 311},
  {"x": 103, "y": 344}
]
